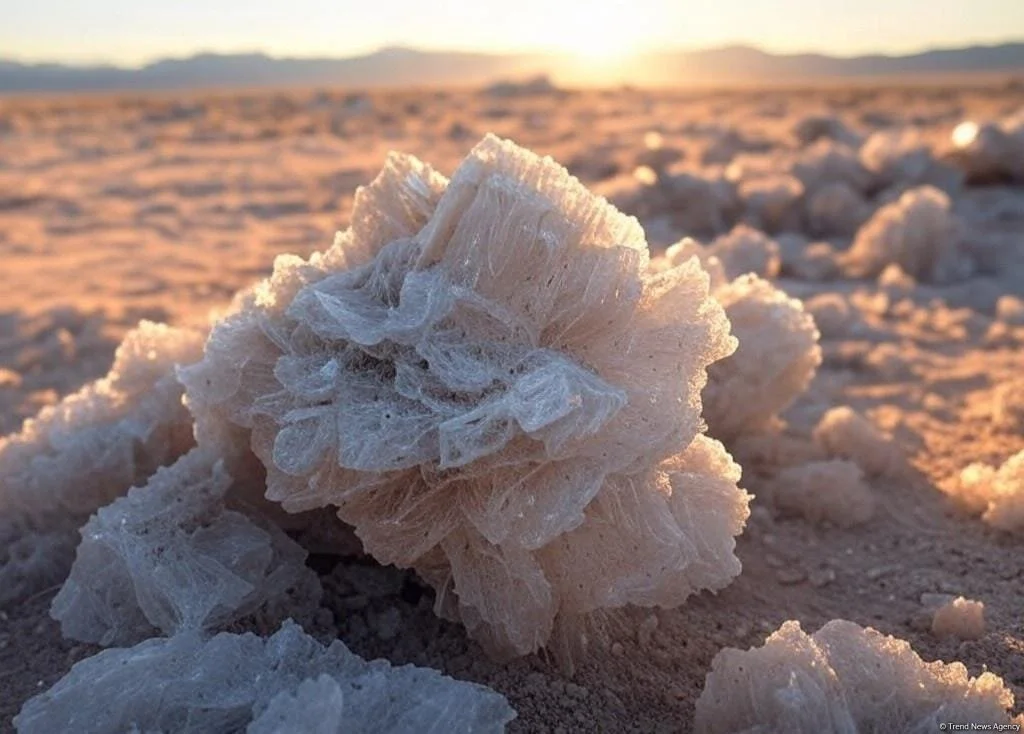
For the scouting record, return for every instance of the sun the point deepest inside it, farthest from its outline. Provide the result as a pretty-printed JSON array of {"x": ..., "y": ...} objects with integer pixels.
[{"x": 599, "y": 31}]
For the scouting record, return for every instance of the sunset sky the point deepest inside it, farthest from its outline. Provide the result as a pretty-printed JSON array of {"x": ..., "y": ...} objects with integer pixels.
[{"x": 135, "y": 31}]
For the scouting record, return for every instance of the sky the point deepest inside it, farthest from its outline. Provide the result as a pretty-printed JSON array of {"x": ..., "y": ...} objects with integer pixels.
[{"x": 132, "y": 32}]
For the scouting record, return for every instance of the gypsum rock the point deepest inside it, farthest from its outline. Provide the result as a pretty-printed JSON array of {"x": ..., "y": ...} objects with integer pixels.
[
  {"x": 815, "y": 261},
  {"x": 894, "y": 156},
  {"x": 776, "y": 360},
  {"x": 772, "y": 202},
  {"x": 698, "y": 204},
  {"x": 730, "y": 143},
  {"x": 961, "y": 618},
  {"x": 465, "y": 372},
  {"x": 234, "y": 683},
  {"x": 844, "y": 679},
  {"x": 825, "y": 163},
  {"x": 112, "y": 432},
  {"x": 995, "y": 493},
  {"x": 171, "y": 557},
  {"x": 989, "y": 153},
  {"x": 844, "y": 433},
  {"x": 835, "y": 209},
  {"x": 833, "y": 491},
  {"x": 742, "y": 250},
  {"x": 701, "y": 204},
  {"x": 778, "y": 352},
  {"x": 903, "y": 158},
  {"x": 834, "y": 315},
  {"x": 688, "y": 248},
  {"x": 80, "y": 454},
  {"x": 918, "y": 232},
  {"x": 746, "y": 250}
]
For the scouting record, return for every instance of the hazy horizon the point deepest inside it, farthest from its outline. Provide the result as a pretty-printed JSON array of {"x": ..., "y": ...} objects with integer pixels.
[
  {"x": 122, "y": 33},
  {"x": 198, "y": 52}
]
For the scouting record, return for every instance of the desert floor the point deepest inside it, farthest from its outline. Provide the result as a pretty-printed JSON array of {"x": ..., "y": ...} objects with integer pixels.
[{"x": 118, "y": 208}]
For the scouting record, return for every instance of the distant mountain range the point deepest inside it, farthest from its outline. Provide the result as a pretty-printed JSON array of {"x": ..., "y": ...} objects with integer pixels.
[{"x": 408, "y": 67}]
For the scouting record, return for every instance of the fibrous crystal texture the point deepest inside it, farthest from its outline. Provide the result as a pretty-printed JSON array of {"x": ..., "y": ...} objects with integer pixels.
[
  {"x": 88, "y": 449},
  {"x": 485, "y": 379},
  {"x": 777, "y": 357},
  {"x": 171, "y": 557},
  {"x": 778, "y": 352},
  {"x": 843, "y": 679},
  {"x": 228, "y": 683}
]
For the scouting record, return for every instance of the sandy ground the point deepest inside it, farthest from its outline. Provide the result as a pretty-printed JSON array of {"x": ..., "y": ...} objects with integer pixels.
[{"x": 114, "y": 209}]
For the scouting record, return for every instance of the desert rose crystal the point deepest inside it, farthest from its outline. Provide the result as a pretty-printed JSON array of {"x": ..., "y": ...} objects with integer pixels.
[
  {"x": 843, "y": 678},
  {"x": 492, "y": 387}
]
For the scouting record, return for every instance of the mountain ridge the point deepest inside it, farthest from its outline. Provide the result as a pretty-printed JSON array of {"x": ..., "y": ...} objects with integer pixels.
[{"x": 407, "y": 66}]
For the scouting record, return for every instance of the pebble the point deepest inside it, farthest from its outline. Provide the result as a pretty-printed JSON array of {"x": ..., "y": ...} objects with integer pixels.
[
  {"x": 822, "y": 577},
  {"x": 790, "y": 576}
]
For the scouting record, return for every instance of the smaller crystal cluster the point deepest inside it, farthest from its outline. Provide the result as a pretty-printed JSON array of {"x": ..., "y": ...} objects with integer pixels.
[
  {"x": 288, "y": 682},
  {"x": 843, "y": 678}
]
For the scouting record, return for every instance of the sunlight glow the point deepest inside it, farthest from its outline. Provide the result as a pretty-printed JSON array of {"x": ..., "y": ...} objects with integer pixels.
[
  {"x": 599, "y": 31},
  {"x": 965, "y": 133}
]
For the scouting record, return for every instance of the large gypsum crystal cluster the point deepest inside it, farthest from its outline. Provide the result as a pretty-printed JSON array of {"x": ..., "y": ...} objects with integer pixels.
[
  {"x": 78, "y": 455},
  {"x": 487, "y": 382},
  {"x": 778, "y": 352},
  {"x": 286, "y": 683},
  {"x": 842, "y": 679}
]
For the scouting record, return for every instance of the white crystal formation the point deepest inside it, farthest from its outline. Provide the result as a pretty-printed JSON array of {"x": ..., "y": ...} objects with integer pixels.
[
  {"x": 228, "y": 683},
  {"x": 88, "y": 449},
  {"x": 485, "y": 379},
  {"x": 746, "y": 250},
  {"x": 832, "y": 491},
  {"x": 79, "y": 454},
  {"x": 170, "y": 556},
  {"x": 990, "y": 152},
  {"x": 776, "y": 360},
  {"x": 778, "y": 352},
  {"x": 918, "y": 232},
  {"x": 844, "y": 433},
  {"x": 994, "y": 492},
  {"x": 844, "y": 679}
]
